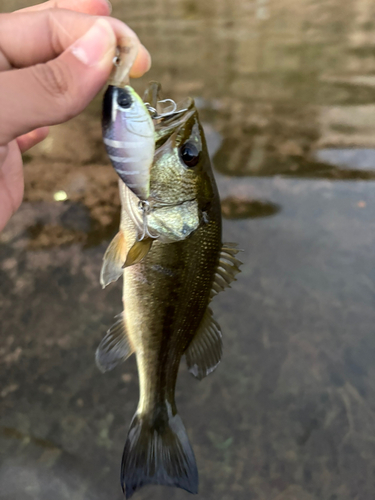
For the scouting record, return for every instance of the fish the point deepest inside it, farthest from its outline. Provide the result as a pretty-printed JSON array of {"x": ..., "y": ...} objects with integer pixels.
[
  {"x": 166, "y": 297},
  {"x": 127, "y": 127}
]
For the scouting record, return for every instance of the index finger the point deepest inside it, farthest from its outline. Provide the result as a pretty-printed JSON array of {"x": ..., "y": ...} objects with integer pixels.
[
  {"x": 99, "y": 7},
  {"x": 28, "y": 38}
]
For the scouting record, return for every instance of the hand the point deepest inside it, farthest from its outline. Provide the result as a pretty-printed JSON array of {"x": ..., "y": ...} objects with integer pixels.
[{"x": 53, "y": 62}]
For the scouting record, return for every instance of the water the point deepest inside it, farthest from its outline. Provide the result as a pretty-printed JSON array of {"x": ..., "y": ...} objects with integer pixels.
[{"x": 286, "y": 91}]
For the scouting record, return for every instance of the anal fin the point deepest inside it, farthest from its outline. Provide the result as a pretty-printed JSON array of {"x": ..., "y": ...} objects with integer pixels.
[
  {"x": 205, "y": 350},
  {"x": 115, "y": 346},
  {"x": 113, "y": 260}
]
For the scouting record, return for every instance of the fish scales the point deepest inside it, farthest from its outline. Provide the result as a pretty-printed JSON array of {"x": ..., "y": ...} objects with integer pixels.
[{"x": 162, "y": 326}]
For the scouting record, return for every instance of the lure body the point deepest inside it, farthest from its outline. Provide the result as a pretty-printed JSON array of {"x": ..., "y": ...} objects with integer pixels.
[{"x": 128, "y": 135}]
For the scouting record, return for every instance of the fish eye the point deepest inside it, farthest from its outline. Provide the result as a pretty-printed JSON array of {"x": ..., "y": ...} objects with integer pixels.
[
  {"x": 189, "y": 154},
  {"x": 124, "y": 99}
]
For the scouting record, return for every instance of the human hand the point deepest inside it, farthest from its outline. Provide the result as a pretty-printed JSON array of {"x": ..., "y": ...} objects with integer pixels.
[{"x": 53, "y": 62}]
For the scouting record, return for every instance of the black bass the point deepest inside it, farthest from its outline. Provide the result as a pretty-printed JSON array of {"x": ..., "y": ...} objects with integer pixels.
[{"x": 166, "y": 299}]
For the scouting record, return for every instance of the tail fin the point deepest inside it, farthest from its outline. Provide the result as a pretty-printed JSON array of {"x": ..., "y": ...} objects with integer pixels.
[{"x": 157, "y": 451}]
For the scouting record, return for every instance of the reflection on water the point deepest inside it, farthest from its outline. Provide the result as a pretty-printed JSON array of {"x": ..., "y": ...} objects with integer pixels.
[
  {"x": 354, "y": 158},
  {"x": 286, "y": 91},
  {"x": 236, "y": 208}
]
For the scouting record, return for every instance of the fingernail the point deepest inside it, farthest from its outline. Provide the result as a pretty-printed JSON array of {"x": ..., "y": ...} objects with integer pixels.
[{"x": 96, "y": 44}]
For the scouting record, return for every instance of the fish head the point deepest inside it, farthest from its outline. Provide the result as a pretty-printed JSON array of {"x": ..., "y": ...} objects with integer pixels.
[
  {"x": 181, "y": 170},
  {"x": 181, "y": 180}
]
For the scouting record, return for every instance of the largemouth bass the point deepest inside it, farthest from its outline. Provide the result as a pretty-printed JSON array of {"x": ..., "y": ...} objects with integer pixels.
[{"x": 166, "y": 299}]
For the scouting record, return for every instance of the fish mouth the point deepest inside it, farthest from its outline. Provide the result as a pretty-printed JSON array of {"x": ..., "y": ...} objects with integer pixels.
[{"x": 167, "y": 118}]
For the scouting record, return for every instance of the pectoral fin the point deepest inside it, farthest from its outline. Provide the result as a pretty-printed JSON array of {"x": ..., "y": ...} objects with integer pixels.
[
  {"x": 204, "y": 353},
  {"x": 138, "y": 252},
  {"x": 227, "y": 268},
  {"x": 115, "y": 346},
  {"x": 113, "y": 260}
]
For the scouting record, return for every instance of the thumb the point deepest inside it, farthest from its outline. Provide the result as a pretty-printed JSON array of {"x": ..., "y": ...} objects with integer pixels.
[{"x": 53, "y": 92}]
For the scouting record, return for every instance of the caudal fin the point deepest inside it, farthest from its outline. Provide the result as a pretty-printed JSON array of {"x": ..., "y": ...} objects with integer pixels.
[{"x": 157, "y": 451}]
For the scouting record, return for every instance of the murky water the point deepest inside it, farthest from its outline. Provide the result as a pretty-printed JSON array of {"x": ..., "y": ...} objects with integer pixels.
[{"x": 286, "y": 91}]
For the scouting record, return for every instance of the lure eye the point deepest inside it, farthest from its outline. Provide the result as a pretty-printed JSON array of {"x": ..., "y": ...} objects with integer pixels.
[
  {"x": 189, "y": 154},
  {"x": 124, "y": 100}
]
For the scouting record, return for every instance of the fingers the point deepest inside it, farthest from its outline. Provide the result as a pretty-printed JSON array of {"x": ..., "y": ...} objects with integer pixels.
[
  {"x": 96, "y": 7},
  {"x": 29, "y": 140},
  {"x": 142, "y": 63},
  {"x": 28, "y": 38},
  {"x": 51, "y": 93}
]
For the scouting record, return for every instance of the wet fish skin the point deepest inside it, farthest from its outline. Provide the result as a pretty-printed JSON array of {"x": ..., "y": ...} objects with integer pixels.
[
  {"x": 166, "y": 302},
  {"x": 165, "y": 298},
  {"x": 180, "y": 194},
  {"x": 128, "y": 135}
]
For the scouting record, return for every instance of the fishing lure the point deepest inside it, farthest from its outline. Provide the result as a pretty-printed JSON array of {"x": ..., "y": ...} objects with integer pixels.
[
  {"x": 128, "y": 129},
  {"x": 131, "y": 129}
]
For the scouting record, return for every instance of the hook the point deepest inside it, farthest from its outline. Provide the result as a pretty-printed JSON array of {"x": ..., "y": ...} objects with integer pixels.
[
  {"x": 144, "y": 207},
  {"x": 155, "y": 115}
]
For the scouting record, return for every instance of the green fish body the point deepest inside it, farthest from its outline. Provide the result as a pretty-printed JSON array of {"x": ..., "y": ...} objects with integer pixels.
[{"x": 166, "y": 299}]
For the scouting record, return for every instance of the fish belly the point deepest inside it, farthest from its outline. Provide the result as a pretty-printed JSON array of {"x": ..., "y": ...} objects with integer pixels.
[{"x": 165, "y": 298}]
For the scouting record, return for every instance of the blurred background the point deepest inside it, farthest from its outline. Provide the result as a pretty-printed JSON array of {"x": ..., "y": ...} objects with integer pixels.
[{"x": 286, "y": 93}]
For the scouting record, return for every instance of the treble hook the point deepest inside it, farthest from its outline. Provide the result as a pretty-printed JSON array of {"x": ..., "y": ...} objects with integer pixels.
[
  {"x": 144, "y": 207},
  {"x": 155, "y": 115},
  {"x": 167, "y": 113}
]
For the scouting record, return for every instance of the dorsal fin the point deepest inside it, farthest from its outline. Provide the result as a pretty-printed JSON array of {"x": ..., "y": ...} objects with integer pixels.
[
  {"x": 113, "y": 260},
  {"x": 227, "y": 268},
  {"x": 114, "y": 347},
  {"x": 204, "y": 352}
]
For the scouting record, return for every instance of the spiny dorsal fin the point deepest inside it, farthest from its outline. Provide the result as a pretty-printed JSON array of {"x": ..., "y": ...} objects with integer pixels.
[
  {"x": 204, "y": 352},
  {"x": 114, "y": 347},
  {"x": 227, "y": 268},
  {"x": 138, "y": 252},
  {"x": 113, "y": 260}
]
